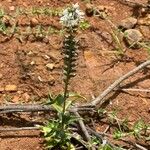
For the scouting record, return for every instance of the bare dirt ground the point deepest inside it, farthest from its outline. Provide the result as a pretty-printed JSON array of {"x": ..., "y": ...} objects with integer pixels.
[{"x": 23, "y": 65}]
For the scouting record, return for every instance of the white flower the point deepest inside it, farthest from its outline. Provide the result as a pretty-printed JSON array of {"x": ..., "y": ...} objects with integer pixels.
[{"x": 72, "y": 16}]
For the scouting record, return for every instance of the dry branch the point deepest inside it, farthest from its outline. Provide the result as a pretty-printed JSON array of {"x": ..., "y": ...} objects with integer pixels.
[
  {"x": 133, "y": 90},
  {"x": 12, "y": 108},
  {"x": 18, "y": 129},
  {"x": 100, "y": 99},
  {"x": 83, "y": 128}
]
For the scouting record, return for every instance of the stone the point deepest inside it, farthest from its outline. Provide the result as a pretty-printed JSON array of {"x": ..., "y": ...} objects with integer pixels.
[
  {"x": 128, "y": 23},
  {"x": 89, "y": 10},
  {"x": 34, "y": 22},
  {"x": 15, "y": 99},
  {"x": 31, "y": 38},
  {"x": 26, "y": 97},
  {"x": 51, "y": 80},
  {"x": 50, "y": 66},
  {"x": 45, "y": 40},
  {"x": 132, "y": 37},
  {"x": 11, "y": 88},
  {"x": 6, "y": 20},
  {"x": 10, "y": 1},
  {"x": 46, "y": 57},
  {"x": 12, "y": 8},
  {"x": 32, "y": 63},
  {"x": 40, "y": 79}
]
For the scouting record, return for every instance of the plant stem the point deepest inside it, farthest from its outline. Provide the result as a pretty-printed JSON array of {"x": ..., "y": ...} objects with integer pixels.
[
  {"x": 67, "y": 75},
  {"x": 64, "y": 103}
]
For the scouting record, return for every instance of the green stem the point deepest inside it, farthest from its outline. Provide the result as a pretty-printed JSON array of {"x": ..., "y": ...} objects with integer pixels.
[
  {"x": 64, "y": 103},
  {"x": 66, "y": 84}
]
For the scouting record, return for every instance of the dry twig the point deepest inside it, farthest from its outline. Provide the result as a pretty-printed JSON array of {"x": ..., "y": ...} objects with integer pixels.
[
  {"x": 100, "y": 99},
  {"x": 18, "y": 129},
  {"x": 12, "y": 108},
  {"x": 83, "y": 128}
]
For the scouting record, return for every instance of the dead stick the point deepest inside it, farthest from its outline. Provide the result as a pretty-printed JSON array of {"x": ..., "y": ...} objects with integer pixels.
[
  {"x": 99, "y": 100},
  {"x": 12, "y": 108},
  {"x": 19, "y": 129},
  {"x": 140, "y": 147},
  {"x": 100, "y": 136},
  {"x": 83, "y": 128},
  {"x": 26, "y": 108},
  {"x": 133, "y": 90}
]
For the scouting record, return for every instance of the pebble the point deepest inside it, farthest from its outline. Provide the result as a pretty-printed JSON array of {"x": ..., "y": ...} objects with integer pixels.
[
  {"x": 10, "y": 1},
  {"x": 15, "y": 99},
  {"x": 32, "y": 38},
  {"x": 11, "y": 88},
  {"x": 89, "y": 10},
  {"x": 6, "y": 20},
  {"x": 132, "y": 37},
  {"x": 32, "y": 63},
  {"x": 51, "y": 80},
  {"x": 12, "y": 8},
  {"x": 50, "y": 66},
  {"x": 45, "y": 40},
  {"x": 40, "y": 79},
  {"x": 34, "y": 22},
  {"x": 128, "y": 23},
  {"x": 46, "y": 57},
  {"x": 26, "y": 96}
]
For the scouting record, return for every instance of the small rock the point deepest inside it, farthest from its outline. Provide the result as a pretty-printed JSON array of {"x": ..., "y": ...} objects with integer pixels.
[
  {"x": 10, "y": 1},
  {"x": 12, "y": 8},
  {"x": 15, "y": 99},
  {"x": 6, "y": 20},
  {"x": 89, "y": 10},
  {"x": 24, "y": 4},
  {"x": 46, "y": 57},
  {"x": 11, "y": 88},
  {"x": 46, "y": 40},
  {"x": 128, "y": 23},
  {"x": 132, "y": 37},
  {"x": 30, "y": 53},
  {"x": 32, "y": 38},
  {"x": 34, "y": 22},
  {"x": 107, "y": 36},
  {"x": 51, "y": 80},
  {"x": 40, "y": 79},
  {"x": 50, "y": 66},
  {"x": 32, "y": 63},
  {"x": 26, "y": 96}
]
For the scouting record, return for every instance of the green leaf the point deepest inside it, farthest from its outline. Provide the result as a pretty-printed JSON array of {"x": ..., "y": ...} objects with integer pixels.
[
  {"x": 106, "y": 147},
  {"x": 58, "y": 101},
  {"x": 75, "y": 95},
  {"x": 118, "y": 134},
  {"x": 68, "y": 103}
]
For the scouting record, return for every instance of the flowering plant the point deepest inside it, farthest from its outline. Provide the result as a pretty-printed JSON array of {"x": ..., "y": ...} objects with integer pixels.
[
  {"x": 57, "y": 132},
  {"x": 72, "y": 16}
]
